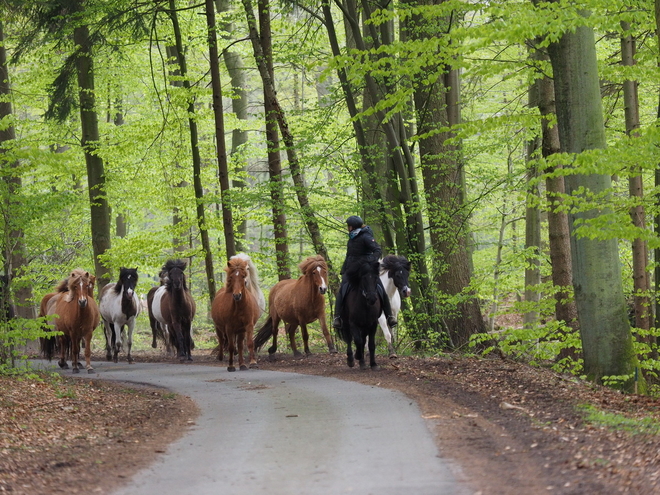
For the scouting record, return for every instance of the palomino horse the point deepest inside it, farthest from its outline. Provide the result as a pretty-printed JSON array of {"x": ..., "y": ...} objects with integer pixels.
[
  {"x": 119, "y": 306},
  {"x": 394, "y": 273},
  {"x": 298, "y": 303},
  {"x": 77, "y": 317},
  {"x": 174, "y": 308},
  {"x": 360, "y": 312},
  {"x": 235, "y": 311}
]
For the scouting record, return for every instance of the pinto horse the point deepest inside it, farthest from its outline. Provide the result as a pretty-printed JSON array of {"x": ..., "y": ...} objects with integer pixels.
[
  {"x": 235, "y": 311},
  {"x": 119, "y": 306},
  {"x": 77, "y": 317},
  {"x": 173, "y": 307},
  {"x": 360, "y": 312},
  {"x": 298, "y": 303},
  {"x": 394, "y": 274}
]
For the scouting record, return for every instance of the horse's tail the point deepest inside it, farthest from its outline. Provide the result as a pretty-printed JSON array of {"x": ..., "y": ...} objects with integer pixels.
[
  {"x": 264, "y": 333},
  {"x": 48, "y": 346}
]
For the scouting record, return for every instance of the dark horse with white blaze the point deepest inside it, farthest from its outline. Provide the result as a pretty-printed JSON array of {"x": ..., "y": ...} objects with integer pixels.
[
  {"x": 298, "y": 303},
  {"x": 235, "y": 311},
  {"x": 119, "y": 306},
  {"x": 173, "y": 307},
  {"x": 74, "y": 312},
  {"x": 362, "y": 307}
]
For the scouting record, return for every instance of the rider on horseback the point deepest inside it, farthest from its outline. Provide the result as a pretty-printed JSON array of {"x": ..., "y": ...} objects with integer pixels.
[{"x": 361, "y": 246}]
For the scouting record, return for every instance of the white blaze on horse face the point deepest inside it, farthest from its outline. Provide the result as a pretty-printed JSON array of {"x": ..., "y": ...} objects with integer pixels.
[{"x": 323, "y": 284}]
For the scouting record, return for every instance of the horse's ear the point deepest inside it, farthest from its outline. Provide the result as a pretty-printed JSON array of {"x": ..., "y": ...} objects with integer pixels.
[{"x": 228, "y": 263}]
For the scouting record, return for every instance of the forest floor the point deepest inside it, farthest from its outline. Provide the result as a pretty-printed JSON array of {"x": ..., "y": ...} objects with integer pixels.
[{"x": 508, "y": 428}]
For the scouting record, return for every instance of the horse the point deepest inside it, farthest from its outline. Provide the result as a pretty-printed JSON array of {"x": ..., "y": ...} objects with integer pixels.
[
  {"x": 235, "y": 312},
  {"x": 394, "y": 273},
  {"x": 77, "y": 317},
  {"x": 252, "y": 281},
  {"x": 173, "y": 307},
  {"x": 360, "y": 312},
  {"x": 298, "y": 303},
  {"x": 119, "y": 306}
]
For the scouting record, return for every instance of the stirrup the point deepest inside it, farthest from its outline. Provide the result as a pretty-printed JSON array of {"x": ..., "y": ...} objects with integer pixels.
[{"x": 336, "y": 323}]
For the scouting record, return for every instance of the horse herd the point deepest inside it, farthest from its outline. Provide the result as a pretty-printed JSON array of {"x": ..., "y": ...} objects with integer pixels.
[{"x": 72, "y": 311}]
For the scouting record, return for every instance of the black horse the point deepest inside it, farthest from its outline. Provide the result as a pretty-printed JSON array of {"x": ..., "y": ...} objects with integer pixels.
[{"x": 362, "y": 307}]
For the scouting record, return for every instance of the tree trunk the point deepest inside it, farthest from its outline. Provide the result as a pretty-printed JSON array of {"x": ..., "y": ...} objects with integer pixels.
[
  {"x": 604, "y": 329},
  {"x": 15, "y": 247},
  {"x": 239, "y": 103},
  {"x": 221, "y": 149},
  {"x": 197, "y": 162},
  {"x": 641, "y": 282},
  {"x": 308, "y": 215},
  {"x": 99, "y": 210},
  {"x": 532, "y": 237}
]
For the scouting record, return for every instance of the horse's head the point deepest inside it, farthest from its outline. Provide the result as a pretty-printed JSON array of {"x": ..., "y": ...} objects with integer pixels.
[
  {"x": 78, "y": 285},
  {"x": 128, "y": 278},
  {"x": 175, "y": 275},
  {"x": 398, "y": 269},
  {"x": 237, "y": 273},
  {"x": 368, "y": 281},
  {"x": 316, "y": 268}
]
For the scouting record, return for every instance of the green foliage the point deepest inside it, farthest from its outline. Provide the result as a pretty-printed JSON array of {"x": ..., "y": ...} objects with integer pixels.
[
  {"x": 619, "y": 422},
  {"x": 14, "y": 335}
]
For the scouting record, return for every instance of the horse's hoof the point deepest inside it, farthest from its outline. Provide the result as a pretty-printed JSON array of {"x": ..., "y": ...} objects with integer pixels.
[
  {"x": 254, "y": 366},
  {"x": 90, "y": 370},
  {"x": 332, "y": 350},
  {"x": 272, "y": 349},
  {"x": 363, "y": 366},
  {"x": 231, "y": 368},
  {"x": 243, "y": 367},
  {"x": 394, "y": 356},
  {"x": 64, "y": 366},
  {"x": 375, "y": 367},
  {"x": 108, "y": 357},
  {"x": 154, "y": 345},
  {"x": 76, "y": 370},
  {"x": 297, "y": 354},
  {"x": 350, "y": 362},
  {"x": 271, "y": 358}
]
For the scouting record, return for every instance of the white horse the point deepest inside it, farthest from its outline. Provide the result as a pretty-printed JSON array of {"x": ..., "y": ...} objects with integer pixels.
[
  {"x": 119, "y": 306},
  {"x": 394, "y": 273}
]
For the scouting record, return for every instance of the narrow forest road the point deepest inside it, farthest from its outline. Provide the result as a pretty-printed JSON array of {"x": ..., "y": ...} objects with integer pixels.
[{"x": 268, "y": 432}]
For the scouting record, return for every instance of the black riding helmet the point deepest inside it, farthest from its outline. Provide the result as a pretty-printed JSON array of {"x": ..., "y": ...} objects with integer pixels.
[{"x": 354, "y": 221}]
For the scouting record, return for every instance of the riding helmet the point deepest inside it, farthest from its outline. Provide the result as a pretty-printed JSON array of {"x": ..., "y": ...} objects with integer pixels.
[{"x": 354, "y": 221}]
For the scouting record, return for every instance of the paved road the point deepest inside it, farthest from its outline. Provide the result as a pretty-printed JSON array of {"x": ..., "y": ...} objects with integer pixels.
[{"x": 274, "y": 433}]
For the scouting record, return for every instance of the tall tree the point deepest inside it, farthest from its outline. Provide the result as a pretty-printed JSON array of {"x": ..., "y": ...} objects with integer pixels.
[
  {"x": 196, "y": 158},
  {"x": 602, "y": 313}
]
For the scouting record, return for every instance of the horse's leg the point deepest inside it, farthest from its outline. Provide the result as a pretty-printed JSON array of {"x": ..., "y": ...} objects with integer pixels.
[
  {"x": 249, "y": 339},
  {"x": 107, "y": 331},
  {"x": 359, "y": 348},
  {"x": 231, "y": 348},
  {"x": 75, "y": 354},
  {"x": 328, "y": 338},
  {"x": 305, "y": 337},
  {"x": 187, "y": 340},
  {"x": 63, "y": 339},
  {"x": 275, "y": 330},
  {"x": 129, "y": 338},
  {"x": 240, "y": 341},
  {"x": 219, "y": 331},
  {"x": 372, "y": 349},
  {"x": 350, "y": 359},
  {"x": 388, "y": 335},
  {"x": 116, "y": 341},
  {"x": 88, "y": 351},
  {"x": 290, "y": 329}
]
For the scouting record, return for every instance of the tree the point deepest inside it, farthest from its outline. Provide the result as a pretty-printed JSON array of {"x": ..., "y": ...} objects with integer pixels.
[{"x": 602, "y": 314}]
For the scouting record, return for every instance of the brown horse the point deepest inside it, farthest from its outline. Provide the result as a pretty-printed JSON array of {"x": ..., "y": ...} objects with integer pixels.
[
  {"x": 74, "y": 312},
  {"x": 173, "y": 307},
  {"x": 235, "y": 311},
  {"x": 298, "y": 303}
]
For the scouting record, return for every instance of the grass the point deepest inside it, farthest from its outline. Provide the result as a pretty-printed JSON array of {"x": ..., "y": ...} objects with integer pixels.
[{"x": 636, "y": 426}]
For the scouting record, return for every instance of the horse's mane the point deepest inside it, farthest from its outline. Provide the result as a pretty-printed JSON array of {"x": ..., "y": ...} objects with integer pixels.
[
  {"x": 392, "y": 262},
  {"x": 170, "y": 264},
  {"x": 313, "y": 262},
  {"x": 122, "y": 273}
]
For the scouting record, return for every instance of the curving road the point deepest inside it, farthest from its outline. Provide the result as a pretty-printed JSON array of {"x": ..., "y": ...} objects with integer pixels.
[{"x": 274, "y": 433}]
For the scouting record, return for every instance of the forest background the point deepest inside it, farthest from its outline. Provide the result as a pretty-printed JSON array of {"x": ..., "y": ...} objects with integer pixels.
[{"x": 508, "y": 149}]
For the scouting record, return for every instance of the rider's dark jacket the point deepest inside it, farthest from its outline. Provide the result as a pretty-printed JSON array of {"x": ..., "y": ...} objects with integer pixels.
[{"x": 361, "y": 246}]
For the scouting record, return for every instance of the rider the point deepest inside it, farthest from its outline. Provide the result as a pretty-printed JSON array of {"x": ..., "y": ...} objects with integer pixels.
[{"x": 361, "y": 245}]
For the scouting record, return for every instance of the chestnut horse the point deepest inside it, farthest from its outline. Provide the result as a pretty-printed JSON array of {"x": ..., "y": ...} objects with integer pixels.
[
  {"x": 173, "y": 307},
  {"x": 297, "y": 303},
  {"x": 235, "y": 311},
  {"x": 74, "y": 313},
  {"x": 360, "y": 313},
  {"x": 119, "y": 306}
]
